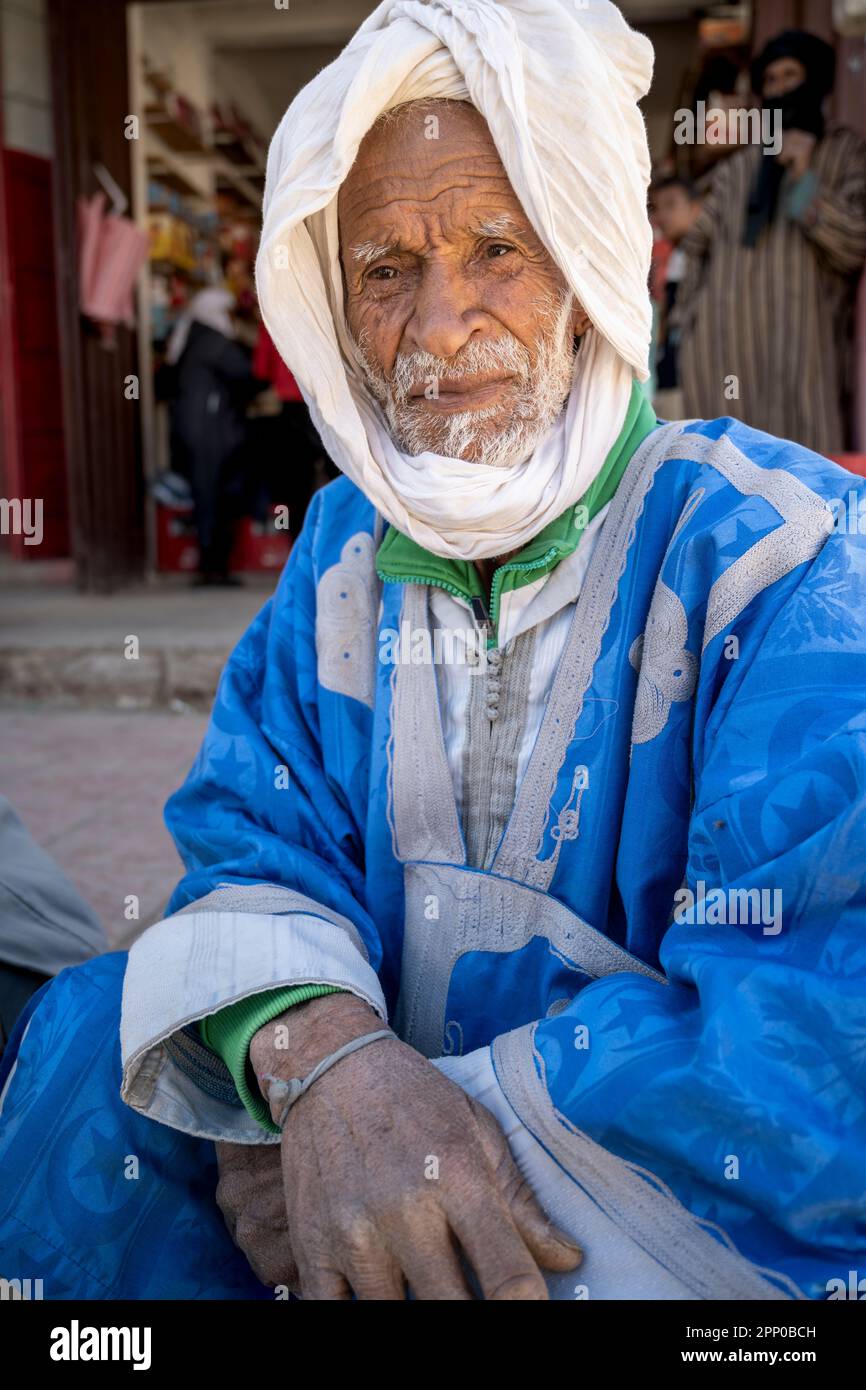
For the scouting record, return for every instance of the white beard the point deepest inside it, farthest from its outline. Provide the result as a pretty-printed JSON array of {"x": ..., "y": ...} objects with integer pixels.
[{"x": 540, "y": 386}]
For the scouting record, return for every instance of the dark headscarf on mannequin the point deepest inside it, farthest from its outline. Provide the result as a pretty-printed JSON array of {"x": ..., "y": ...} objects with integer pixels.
[{"x": 800, "y": 109}]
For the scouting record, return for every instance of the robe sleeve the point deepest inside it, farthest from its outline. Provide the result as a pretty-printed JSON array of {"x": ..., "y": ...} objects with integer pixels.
[
  {"x": 832, "y": 213},
  {"x": 268, "y": 828},
  {"x": 741, "y": 1081}
]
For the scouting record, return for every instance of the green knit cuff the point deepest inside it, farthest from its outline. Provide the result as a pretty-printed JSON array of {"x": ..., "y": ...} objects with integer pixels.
[{"x": 229, "y": 1033}]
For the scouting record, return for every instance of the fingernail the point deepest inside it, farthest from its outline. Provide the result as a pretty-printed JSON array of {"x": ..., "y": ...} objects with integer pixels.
[{"x": 567, "y": 1243}]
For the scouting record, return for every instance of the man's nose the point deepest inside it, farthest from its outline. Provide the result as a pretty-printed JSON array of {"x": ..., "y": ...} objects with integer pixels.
[{"x": 445, "y": 314}]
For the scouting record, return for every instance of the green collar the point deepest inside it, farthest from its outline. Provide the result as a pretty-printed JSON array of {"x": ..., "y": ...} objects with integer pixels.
[{"x": 402, "y": 561}]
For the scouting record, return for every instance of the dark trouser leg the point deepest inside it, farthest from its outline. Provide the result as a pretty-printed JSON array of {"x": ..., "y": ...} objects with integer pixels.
[{"x": 16, "y": 987}]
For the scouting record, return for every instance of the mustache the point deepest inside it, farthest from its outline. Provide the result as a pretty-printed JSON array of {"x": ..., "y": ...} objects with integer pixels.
[{"x": 504, "y": 356}]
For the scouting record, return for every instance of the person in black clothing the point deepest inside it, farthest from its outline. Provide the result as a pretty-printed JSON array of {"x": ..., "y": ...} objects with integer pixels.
[{"x": 213, "y": 384}]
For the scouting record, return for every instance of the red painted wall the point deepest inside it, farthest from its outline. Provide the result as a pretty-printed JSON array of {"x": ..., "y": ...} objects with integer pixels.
[{"x": 34, "y": 463}]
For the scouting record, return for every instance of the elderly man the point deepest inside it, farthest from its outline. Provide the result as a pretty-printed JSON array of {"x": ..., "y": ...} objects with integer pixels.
[{"x": 549, "y": 749}]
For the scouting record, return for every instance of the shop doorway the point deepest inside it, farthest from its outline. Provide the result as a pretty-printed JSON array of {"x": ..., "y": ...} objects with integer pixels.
[
  {"x": 212, "y": 81},
  {"x": 170, "y": 107}
]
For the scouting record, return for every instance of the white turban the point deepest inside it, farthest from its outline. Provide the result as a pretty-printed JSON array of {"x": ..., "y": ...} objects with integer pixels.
[{"x": 558, "y": 83}]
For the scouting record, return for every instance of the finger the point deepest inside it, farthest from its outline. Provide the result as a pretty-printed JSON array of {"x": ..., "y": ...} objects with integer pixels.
[
  {"x": 433, "y": 1269},
  {"x": 268, "y": 1251},
  {"x": 361, "y": 1252},
  {"x": 549, "y": 1247},
  {"x": 229, "y": 1210},
  {"x": 378, "y": 1277},
  {"x": 503, "y": 1265},
  {"x": 322, "y": 1284}
]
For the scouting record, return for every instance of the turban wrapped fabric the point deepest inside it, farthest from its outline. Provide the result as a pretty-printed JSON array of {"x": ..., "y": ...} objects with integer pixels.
[{"x": 558, "y": 83}]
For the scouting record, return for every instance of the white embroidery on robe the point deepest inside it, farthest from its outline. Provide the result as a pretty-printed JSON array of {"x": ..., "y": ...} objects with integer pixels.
[
  {"x": 568, "y": 821},
  {"x": 667, "y": 671},
  {"x": 346, "y": 601}
]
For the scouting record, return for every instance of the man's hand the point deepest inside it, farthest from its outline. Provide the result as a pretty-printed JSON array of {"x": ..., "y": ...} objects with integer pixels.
[
  {"x": 392, "y": 1172},
  {"x": 796, "y": 151},
  {"x": 250, "y": 1196}
]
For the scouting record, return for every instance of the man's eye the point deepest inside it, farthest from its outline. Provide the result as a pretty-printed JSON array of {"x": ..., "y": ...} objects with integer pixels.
[
  {"x": 382, "y": 272},
  {"x": 497, "y": 249}
]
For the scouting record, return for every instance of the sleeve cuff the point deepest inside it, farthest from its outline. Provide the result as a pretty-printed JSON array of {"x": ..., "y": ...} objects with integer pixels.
[
  {"x": 802, "y": 196},
  {"x": 230, "y": 1031},
  {"x": 204, "y": 960}
]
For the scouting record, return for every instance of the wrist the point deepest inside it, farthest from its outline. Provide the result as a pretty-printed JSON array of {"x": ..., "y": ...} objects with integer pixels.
[{"x": 295, "y": 1042}]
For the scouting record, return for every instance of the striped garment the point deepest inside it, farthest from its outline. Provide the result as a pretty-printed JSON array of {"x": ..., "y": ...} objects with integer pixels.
[{"x": 777, "y": 317}]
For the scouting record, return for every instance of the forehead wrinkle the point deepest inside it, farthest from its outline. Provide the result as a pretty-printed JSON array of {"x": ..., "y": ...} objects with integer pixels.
[
  {"x": 385, "y": 177},
  {"x": 420, "y": 237},
  {"x": 401, "y": 223},
  {"x": 382, "y": 192}
]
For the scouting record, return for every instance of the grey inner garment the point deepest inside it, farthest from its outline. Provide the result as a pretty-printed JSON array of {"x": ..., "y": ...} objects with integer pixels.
[{"x": 495, "y": 716}]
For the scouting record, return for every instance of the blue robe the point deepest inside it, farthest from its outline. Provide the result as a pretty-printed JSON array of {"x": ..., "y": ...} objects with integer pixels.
[{"x": 667, "y": 955}]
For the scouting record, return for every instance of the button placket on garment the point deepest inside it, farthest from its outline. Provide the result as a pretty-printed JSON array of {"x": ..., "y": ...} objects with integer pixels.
[{"x": 493, "y": 683}]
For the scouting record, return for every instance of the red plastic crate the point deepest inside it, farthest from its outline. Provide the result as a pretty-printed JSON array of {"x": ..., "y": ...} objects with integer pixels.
[
  {"x": 855, "y": 463},
  {"x": 258, "y": 547}
]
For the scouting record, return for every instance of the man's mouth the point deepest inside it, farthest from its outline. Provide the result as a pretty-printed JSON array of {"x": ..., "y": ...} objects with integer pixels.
[{"x": 459, "y": 393}]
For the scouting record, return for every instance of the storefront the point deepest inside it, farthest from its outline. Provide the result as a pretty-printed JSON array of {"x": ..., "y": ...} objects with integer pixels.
[
  {"x": 197, "y": 180},
  {"x": 161, "y": 112},
  {"x": 157, "y": 116}
]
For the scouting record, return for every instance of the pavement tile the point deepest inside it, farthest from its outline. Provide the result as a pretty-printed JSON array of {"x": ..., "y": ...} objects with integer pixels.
[{"x": 90, "y": 787}]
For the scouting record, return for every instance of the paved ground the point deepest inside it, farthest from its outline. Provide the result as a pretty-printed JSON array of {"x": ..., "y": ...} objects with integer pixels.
[
  {"x": 90, "y": 786},
  {"x": 92, "y": 744},
  {"x": 72, "y": 650},
  {"x": 165, "y": 614}
]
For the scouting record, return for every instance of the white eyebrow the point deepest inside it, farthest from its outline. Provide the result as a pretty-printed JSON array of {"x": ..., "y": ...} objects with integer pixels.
[
  {"x": 495, "y": 226},
  {"x": 368, "y": 251}
]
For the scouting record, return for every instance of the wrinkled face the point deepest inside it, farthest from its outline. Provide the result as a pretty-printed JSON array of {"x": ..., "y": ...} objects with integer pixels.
[
  {"x": 464, "y": 325},
  {"x": 782, "y": 76}
]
